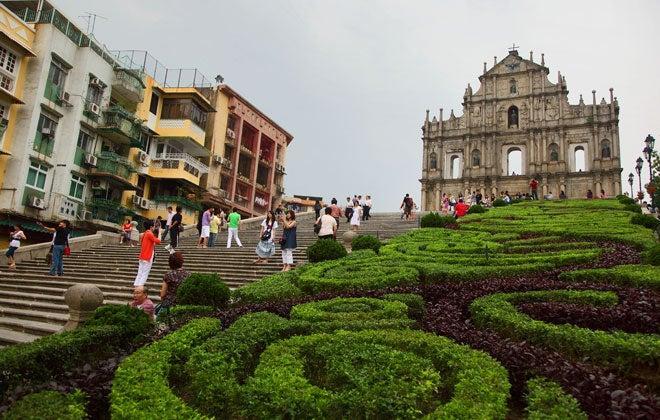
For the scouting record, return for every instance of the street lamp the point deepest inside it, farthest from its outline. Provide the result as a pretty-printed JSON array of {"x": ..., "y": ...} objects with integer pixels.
[
  {"x": 631, "y": 179},
  {"x": 648, "y": 154},
  {"x": 638, "y": 168}
]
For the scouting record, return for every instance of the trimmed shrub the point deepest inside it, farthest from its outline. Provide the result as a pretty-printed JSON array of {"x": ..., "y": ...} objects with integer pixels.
[
  {"x": 141, "y": 381},
  {"x": 49, "y": 405},
  {"x": 625, "y": 200},
  {"x": 618, "y": 349},
  {"x": 652, "y": 255},
  {"x": 414, "y": 302},
  {"x": 352, "y": 314},
  {"x": 366, "y": 242},
  {"x": 374, "y": 374},
  {"x": 633, "y": 208},
  {"x": 205, "y": 289},
  {"x": 436, "y": 220},
  {"x": 499, "y": 203},
  {"x": 190, "y": 311},
  {"x": 278, "y": 286},
  {"x": 547, "y": 400},
  {"x": 325, "y": 250},
  {"x": 134, "y": 321},
  {"x": 645, "y": 220},
  {"x": 476, "y": 209},
  {"x": 624, "y": 275}
]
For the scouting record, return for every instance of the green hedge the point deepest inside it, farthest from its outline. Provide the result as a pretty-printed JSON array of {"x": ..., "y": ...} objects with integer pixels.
[
  {"x": 547, "y": 400},
  {"x": 625, "y": 200},
  {"x": 618, "y": 349},
  {"x": 374, "y": 374},
  {"x": 353, "y": 314},
  {"x": 325, "y": 250},
  {"x": 633, "y": 208},
  {"x": 141, "y": 387},
  {"x": 366, "y": 242},
  {"x": 203, "y": 289},
  {"x": 40, "y": 360},
  {"x": 436, "y": 220},
  {"x": 134, "y": 321},
  {"x": 645, "y": 220},
  {"x": 274, "y": 287},
  {"x": 652, "y": 255},
  {"x": 624, "y": 275},
  {"x": 477, "y": 209},
  {"x": 48, "y": 405},
  {"x": 189, "y": 311},
  {"x": 415, "y": 303}
]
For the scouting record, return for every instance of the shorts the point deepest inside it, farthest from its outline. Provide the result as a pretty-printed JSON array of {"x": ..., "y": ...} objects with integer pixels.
[
  {"x": 206, "y": 231},
  {"x": 10, "y": 251}
]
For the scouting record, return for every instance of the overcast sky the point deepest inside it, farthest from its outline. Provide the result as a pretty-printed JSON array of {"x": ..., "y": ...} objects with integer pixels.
[{"x": 351, "y": 79}]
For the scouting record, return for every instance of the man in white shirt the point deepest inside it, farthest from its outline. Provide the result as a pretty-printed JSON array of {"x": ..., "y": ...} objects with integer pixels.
[
  {"x": 367, "y": 208},
  {"x": 168, "y": 223},
  {"x": 348, "y": 212},
  {"x": 328, "y": 225}
]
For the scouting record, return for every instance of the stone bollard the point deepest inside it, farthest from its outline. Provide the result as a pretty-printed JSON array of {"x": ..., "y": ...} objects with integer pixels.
[
  {"x": 82, "y": 299},
  {"x": 347, "y": 238}
]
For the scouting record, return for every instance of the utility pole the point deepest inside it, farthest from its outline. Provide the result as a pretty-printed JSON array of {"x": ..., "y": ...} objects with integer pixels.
[{"x": 91, "y": 21}]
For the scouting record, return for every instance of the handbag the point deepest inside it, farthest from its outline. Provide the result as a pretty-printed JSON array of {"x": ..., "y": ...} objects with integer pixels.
[
  {"x": 317, "y": 227},
  {"x": 267, "y": 233},
  {"x": 67, "y": 250},
  {"x": 283, "y": 240}
]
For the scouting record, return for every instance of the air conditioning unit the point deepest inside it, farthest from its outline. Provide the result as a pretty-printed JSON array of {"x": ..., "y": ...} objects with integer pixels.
[
  {"x": 144, "y": 158},
  {"x": 37, "y": 202},
  {"x": 144, "y": 203},
  {"x": 137, "y": 200},
  {"x": 86, "y": 215},
  {"x": 65, "y": 98},
  {"x": 98, "y": 184},
  {"x": 96, "y": 82},
  {"x": 90, "y": 160},
  {"x": 47, "y": 132},
  {"x": 95, "y": 109},
  {"x": 217, "y": 159},
  {"x": 231, "y": 134}
]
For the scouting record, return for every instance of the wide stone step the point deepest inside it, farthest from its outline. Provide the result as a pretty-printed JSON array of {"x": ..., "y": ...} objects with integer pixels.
[
  {"x": 8, "y": 320},
  {"x": 9, "y": 337}
]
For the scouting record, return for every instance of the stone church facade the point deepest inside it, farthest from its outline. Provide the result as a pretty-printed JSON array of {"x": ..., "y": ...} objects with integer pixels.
[{"x": 517, "y": 110}]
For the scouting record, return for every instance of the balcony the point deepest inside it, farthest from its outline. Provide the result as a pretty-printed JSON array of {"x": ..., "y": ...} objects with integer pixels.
[
  {"x": 244, "y": 178},
  {"x": 261, "y": 187},
  {"x": 129, "y": 84},
  {"x": 264, "y": 161},
  {"x": 121, "y": 126},
  {"x": 247, "y": 151},
  {"x": 241, "y": 200},
  {"x": 108, "y": 211},
  {"x": 111, "y": 165},
  {"x": 181, "y": 128},
  {"x": 230, "y": 142},
  {"x": 176, "y": 200},
  {"x": 177, "y": 166}
]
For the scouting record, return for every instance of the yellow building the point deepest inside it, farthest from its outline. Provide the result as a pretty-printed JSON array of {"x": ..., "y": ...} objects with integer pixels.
[{"x": 16, "y": 40}]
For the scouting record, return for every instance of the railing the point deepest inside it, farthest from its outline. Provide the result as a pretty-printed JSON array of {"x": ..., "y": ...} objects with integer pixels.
[
  {"x": 172, "y": 161},
  {"x": 130, "y": 81},
  {"x": 112, "y": 163},
  {"x": 226, "y": 164},
  {"x": 231, "y": 142},
  {"x": 244, "y": 178},
  {"x": 240, "y": 200},
  {"x": 175, "y": 199},
  {"x": 261, "y": 186},
  {"x": 109, "y": 211},
  {"x": 247, "y": 151}
]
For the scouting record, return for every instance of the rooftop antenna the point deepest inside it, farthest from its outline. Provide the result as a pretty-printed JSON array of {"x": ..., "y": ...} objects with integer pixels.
[{"x": 91, "y": 21}]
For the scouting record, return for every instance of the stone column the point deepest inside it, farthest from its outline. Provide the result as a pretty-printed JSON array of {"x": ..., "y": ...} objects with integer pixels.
[
  {"x": 237, "y": 156},
  {"x": 82, "y": 299}
]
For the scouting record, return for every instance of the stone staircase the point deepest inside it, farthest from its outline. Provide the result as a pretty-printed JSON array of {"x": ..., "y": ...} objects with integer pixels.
[{"x": 32, "y": 303}]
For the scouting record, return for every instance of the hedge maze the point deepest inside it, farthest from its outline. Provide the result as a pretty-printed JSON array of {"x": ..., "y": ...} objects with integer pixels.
[{"x": 533, "y": 310}]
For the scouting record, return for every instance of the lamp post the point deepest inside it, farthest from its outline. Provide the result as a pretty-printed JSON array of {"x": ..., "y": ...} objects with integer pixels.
[
  {"x": 648, "y": 154},
  {"x": 631, "y": 179},
  {"x": 638, "y": 168}
]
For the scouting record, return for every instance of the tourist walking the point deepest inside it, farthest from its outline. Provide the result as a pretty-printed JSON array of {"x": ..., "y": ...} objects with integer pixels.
[
  {"x": 328, "y": 225},
  {"x": 168, "y": 222},
  {"x": 15, "y": 238},
  {"x": 335, "y": 210},
  {"x": 317, "y": 208},
  {"x": 368, "y": 203},
  {"x": 214, "y": 227},
  {"x": 289, "y": 240},
  {"x": 135, "y": 234},
  {"x": 171, "y": 282},
  {"x": 266, "y": 246},
  {"x": 125, "y": 232},
  {"x": 407, "y": 206},
  {"x": 534, "y": 185},
  {"x": 356, "y": 217},
  {"x": 234, "y": 221},
  {"x": 279, "y": 211},
  {"x": 60, "y": 242},
  {"x": 147, "y": 252},
  {"x": 205, "y": 229},
  {"x": 348, "y": 212},
  {"x": 175, "y": 229}
]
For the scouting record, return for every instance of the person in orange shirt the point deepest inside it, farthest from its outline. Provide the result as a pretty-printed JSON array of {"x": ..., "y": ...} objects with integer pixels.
[
  {"x": 125, "y": 232},
  {"x": 461, "y": 208},
  {"x": 146, "y": 257}
]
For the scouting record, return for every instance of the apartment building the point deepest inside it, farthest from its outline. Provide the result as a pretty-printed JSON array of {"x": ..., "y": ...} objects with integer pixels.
[
  {"x": 98, "y": 136},
  {"x": 248, "y": 155}
]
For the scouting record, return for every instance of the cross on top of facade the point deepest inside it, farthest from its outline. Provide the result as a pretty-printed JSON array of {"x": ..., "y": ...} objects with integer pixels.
[{"x": 514, "y": 47}]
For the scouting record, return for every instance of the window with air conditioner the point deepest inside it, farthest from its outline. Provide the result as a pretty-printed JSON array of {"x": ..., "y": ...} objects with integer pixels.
[
  {"x": 77, "y": 187},
  {"x": 37, "y": 174},
  {"x": 44, "y": 139},
  {"x": 94, "y": 93},
  {"x": 9, "y": 63},
  {"x": 56, "y": 80},
  {"x": 85, "y": 140}
]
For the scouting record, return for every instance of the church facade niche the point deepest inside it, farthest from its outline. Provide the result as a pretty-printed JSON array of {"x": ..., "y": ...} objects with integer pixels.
[{"x": 518, "y": 105}]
